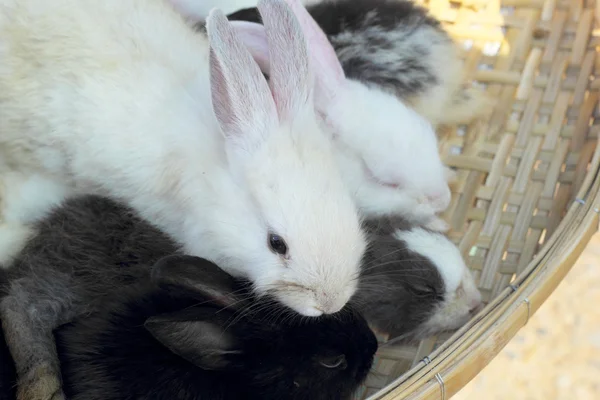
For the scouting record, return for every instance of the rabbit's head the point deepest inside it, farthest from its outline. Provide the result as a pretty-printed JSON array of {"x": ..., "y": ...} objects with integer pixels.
[
  {"x": 300, "y": 237},
  {"x": 265, "y": 346},
  {"x": 392, "y": 150},
  {"x": 415, "y": 281}
]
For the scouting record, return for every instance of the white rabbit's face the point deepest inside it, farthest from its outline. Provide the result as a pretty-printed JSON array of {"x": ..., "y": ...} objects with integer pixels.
[
  {"x": 309, "y": 233},
  {"x": 300, "y": 238},
  {"x": 388, "y": 154}
]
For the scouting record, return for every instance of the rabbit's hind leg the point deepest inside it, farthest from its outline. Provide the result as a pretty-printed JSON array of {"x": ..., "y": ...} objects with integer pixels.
[{"x": 30, "y": 312}]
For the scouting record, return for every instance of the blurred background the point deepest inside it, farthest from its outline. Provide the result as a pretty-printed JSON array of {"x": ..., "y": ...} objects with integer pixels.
[{"x": 556, "y": 356}]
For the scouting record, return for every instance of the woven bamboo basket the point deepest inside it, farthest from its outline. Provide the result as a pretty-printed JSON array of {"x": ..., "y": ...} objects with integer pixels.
[{"x": 527, "y": 197}]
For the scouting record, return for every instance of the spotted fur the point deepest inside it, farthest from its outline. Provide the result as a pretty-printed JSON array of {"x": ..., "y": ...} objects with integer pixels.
[
  {"x": 414, "y": 281},
  {"x": 398, "y": 46}
]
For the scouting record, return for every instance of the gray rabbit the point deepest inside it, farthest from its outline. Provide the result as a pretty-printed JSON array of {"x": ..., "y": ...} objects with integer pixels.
[{"x": 79, "y": 253}]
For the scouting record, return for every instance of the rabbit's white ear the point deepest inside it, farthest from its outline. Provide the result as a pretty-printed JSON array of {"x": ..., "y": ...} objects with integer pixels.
[
  {"x": 329, "y": 74},
  {"x": 290, "y": 76},
  {"x": 241, "y": 97},
  {"x": 253, "y": 35}
]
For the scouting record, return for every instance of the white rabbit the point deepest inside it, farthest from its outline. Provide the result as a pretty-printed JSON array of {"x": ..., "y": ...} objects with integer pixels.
[
  {"x": 122, "y": 108},
  {"x": 388, "y": 153}
]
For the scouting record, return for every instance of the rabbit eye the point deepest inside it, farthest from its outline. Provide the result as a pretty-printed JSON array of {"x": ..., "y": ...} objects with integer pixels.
[
  {"x": 334, "y": 362},
  {"x": 277, "y": 244},
  {"x": 425, "y": 290}
]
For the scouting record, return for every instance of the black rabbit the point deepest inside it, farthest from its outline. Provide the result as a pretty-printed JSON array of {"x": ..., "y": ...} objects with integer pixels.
[
  {"x": 195, "y": 336},
  {"x": 90, "y": 262},
  {"x": 7, "y": 372}
]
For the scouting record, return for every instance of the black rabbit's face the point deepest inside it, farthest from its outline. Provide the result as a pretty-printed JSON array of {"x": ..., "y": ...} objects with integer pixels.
[
  {"x": 270, "y": 351},
  {"x": 319, "y": 358}
]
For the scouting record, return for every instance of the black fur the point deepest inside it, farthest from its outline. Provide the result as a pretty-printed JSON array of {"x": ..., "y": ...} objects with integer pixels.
[
  {"x": 7, "y": 372},
  {"x": 375, "y": 41},
  {"x": 90, "y": 263},
  {"x": 82, "y": 251},
  {"x": 111, "y": 356},
  {"x": 96, "y": 242},
  {"x": 7, "y": 366},
  {"x": 399, "y": 289}
]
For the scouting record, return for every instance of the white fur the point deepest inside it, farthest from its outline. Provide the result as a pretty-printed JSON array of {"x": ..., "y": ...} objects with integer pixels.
[
  {"x": 123, "y": 108},
  {"x": 23, "y": 199},
  {"x": 12, "y": 238},
  {"x": 398, "y": 147},
  {"x": 462, "y": 296},
  {"x": 389, "y": 153}
]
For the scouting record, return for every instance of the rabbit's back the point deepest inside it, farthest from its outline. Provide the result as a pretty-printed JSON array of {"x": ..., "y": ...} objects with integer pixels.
[
  {"x": 393, "y": 44},
  {"x": 77, "y": 74},
  {"x": 95, "y": 244}
]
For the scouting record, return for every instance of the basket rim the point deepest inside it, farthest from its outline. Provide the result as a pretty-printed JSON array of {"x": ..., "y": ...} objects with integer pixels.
[{"x": 465, "y": 353}]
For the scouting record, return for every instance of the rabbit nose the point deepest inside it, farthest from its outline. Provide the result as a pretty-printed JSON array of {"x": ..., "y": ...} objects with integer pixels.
[
  {"x": 327, "y": 307},
  {"x": 328, "y": 304}
]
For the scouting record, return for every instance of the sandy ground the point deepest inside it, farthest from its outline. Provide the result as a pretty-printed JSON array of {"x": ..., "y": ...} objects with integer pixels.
[{"x": 557, "y": 355}]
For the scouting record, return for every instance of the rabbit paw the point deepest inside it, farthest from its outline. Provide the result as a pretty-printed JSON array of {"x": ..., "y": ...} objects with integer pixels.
[
  {"x": 42, "y": 383},
  {"x": 438, "y": 225}
]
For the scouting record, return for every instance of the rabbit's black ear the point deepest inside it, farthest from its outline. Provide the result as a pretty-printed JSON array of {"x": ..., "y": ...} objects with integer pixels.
[
  {"x": 195, "y": 276},
  {"x": 203, "y": 342},
  {"x": 247, "y": 14}
]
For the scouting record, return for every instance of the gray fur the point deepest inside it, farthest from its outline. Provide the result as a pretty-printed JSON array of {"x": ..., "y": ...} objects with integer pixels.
[
  {"x": 82, "y": 251},
  {"x": 391, "y": 59},
  {"x": 399, "y": 289},
  {"x": 379, "y": 42},
  {"x": 91, "y": 246},
  {"x": 398, "y": 47}
]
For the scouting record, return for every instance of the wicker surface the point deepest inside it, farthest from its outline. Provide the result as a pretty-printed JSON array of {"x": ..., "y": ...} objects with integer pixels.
[{"x": 524, "y": 205}]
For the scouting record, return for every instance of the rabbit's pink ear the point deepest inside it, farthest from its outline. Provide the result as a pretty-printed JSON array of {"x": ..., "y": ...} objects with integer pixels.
[
  {"x": 253, "y": 35},
  {"x": 290, "y": 76},
  {"x": 329, "y": 74},
  {"x": 241, "y": 97}
]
